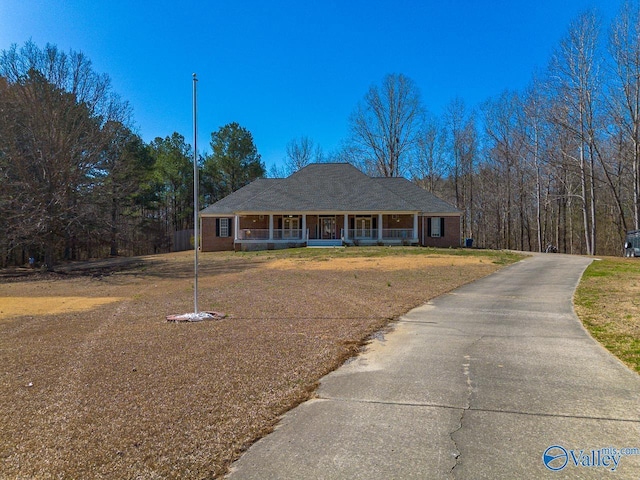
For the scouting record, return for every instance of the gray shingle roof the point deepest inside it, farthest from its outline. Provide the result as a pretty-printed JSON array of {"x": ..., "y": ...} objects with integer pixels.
[
  {"x": 425, "y": 200},
  {"x": 329, "y": 187}
]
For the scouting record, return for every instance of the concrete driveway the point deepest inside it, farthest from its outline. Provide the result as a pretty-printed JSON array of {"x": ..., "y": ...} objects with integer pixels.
[{"x": 476, "y": 384}]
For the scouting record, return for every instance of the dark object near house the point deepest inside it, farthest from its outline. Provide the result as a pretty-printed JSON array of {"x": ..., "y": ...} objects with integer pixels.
[{"x": 632, "y": 244}]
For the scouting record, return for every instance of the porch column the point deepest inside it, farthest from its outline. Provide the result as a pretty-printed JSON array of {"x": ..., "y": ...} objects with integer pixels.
[
  {"x": 304, "y": 227},
  {"x": 415, "y": 225},
  {"x": 345, "y": 226},
  {"x": 379, "y": 226},
  {"x": 236, "y": 225},
  {"x": 271, "y": 226}
]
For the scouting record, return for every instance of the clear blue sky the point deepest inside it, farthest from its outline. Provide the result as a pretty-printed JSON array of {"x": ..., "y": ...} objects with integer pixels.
[{"x": 284, "y": 69}]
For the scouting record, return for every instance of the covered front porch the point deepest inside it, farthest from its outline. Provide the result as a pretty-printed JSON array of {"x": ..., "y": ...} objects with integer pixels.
[{"x": 330, "y": 228}]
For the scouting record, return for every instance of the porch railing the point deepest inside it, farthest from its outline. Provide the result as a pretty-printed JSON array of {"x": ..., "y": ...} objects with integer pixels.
[
  {"x": 253, "y": 234},
  {"x": 363, "y": 234},
  {"x": 387, "y": 233},
  {"x": 397, "y": 233},
  {"x": 287, "y": 234},
  {"x": 263, "y": 234},
  {"x": 298, "y": 234}
]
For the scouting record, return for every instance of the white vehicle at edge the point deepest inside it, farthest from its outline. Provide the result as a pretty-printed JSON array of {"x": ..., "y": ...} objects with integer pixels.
[{"x": 632, "y": 244}]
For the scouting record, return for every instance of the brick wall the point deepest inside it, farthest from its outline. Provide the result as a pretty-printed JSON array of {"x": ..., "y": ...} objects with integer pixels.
[
  {"x": 312, "y": 225},
  {"x": 451, "y": 236},
  {"x": 254, "y": 221},
  {"x": 212, "y": 243},
  {"x": 402, "y": 221}
]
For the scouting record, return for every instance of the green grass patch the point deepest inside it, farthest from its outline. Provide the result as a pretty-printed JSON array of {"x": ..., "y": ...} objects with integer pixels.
[
  {"x": 498, "y": 257},
  {"x": 606, "y": 301}
]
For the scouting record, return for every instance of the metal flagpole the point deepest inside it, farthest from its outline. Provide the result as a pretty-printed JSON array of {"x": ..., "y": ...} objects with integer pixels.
[
  {"x": 195, "y": 195},
  {"x": 196, "y": 316}
]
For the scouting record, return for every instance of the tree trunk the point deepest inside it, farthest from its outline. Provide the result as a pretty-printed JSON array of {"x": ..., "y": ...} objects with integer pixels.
[{"x": 114, "y": 228}]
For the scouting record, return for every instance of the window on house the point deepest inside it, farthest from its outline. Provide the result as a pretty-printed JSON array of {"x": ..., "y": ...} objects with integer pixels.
[
  {"x": 435, "y": 230},
  {"x": 224, "y": 227}
]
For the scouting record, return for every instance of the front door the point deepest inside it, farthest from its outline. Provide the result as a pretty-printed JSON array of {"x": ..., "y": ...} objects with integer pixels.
[
  {"x": 290, "y": 227},
  {"x": 363, "y": 227},
  {"x": 328, "y": 228}
]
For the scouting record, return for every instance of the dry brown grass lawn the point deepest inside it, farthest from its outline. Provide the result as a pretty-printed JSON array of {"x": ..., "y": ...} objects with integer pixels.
[
  {"x": 114, "y": 391},
  {"x": 16, "y": 306}
]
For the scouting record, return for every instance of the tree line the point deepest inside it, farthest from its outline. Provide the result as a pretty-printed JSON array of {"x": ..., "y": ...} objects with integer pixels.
[
  {"x": 77, "y": 182},
  {"x": 556, "y": 164}
]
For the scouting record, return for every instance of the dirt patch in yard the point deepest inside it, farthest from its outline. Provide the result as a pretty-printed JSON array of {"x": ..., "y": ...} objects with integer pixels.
[
  {"x": 117, "y": 392},
  {"x": 376, "y": 263}
]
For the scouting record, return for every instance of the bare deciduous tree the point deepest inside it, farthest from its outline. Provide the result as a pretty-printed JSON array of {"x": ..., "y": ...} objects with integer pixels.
[
  {"x": 575, "y": 75},
  {"x": 533, "y": 125},
  {"x": 506, "y": 152},
  {"x": 385, "y": 126},
  {"x": 462, "y": 143},
  {"x": 300, "y": 153},
  {"x": 625, "y": 50},
  {"x": 430, "y": 168},
  {"x": 52, "y": 144}
]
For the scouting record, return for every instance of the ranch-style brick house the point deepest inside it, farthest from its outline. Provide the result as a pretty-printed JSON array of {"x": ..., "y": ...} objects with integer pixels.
[{"x": 329, "y": 204}]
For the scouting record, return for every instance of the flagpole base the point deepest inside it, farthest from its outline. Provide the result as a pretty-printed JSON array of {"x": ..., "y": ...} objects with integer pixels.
[{"x": 195, "y": 317}]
